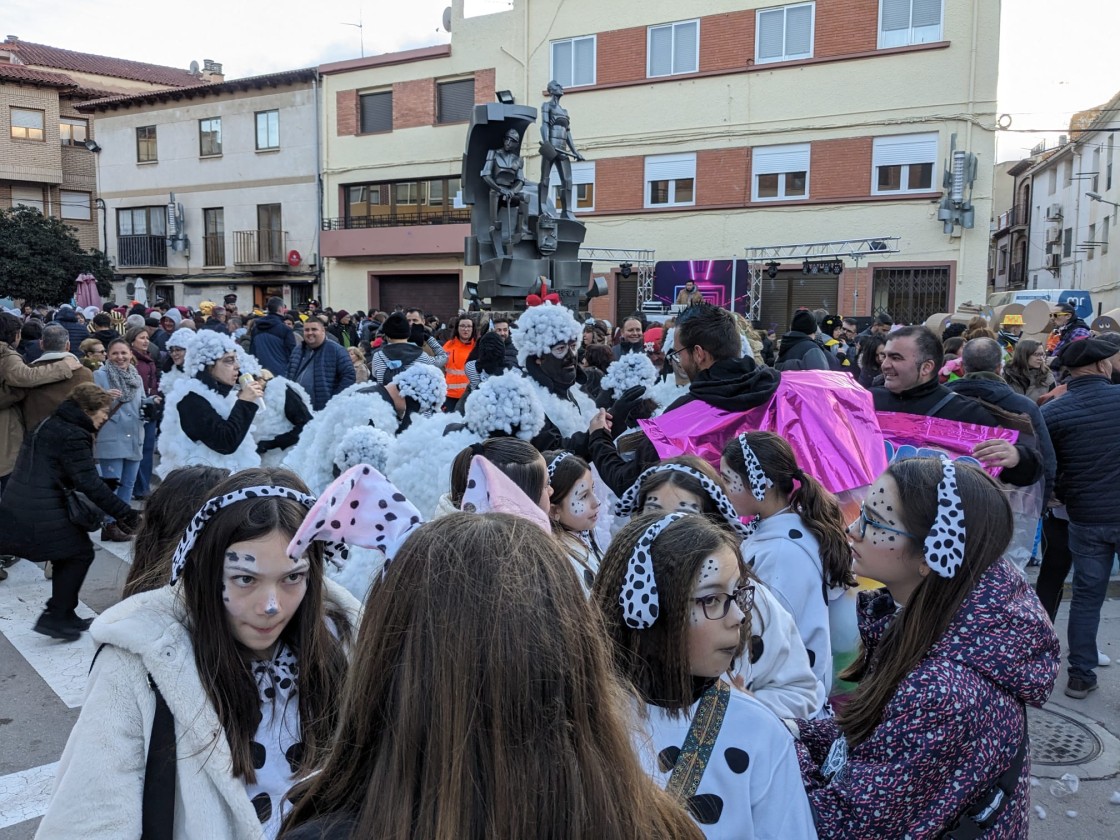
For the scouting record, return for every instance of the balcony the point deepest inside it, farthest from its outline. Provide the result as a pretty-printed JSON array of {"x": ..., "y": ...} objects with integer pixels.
[
  {"x": 214, "y": 250},
  {"x": 399, "y": 218},
  {"x": 141, "y": 251},
  {"x": 1017, "y": 277},
  {"x": 431, "y": 231},
  {"x": 260, "y": 250}
]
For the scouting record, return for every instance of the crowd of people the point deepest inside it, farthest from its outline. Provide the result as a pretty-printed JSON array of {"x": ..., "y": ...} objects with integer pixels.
[{"x": 399, "y": 576}]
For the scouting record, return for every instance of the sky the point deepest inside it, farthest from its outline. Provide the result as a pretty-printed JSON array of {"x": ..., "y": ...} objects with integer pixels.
[{"x": 1056, "y": 58}]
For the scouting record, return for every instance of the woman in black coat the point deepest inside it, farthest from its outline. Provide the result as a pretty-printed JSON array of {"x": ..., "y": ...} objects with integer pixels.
[{"x": 33, "y": 521}]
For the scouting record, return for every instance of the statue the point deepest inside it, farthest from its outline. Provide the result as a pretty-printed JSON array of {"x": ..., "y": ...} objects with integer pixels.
[
  {"x": 504, "y": 174},
  {"x": 557, "y": 148}
]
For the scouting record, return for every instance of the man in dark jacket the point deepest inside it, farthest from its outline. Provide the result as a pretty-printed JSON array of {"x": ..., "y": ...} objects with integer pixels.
[
  {"x": 707, "y": 350},
  {"x": 322, "y": 367},
  {"x": 68, "y": 319},
  {"x": 914, "y": 357},
  {"x": 982, "y": 361},
  {"x": 1086, "y": 439},
  {"x": 272, "y": 341},
  {"x": 799, "y": 349},
  {"x": 103, "y": 328}
]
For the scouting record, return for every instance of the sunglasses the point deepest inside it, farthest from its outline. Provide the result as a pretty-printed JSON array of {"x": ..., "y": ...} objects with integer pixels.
[
  {"x": 864, "y": 520},
  {"x": 718, "y": 606}
]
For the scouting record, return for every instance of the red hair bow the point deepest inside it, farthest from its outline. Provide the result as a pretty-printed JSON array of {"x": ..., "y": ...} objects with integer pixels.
[{"x": 543, "y": 297}]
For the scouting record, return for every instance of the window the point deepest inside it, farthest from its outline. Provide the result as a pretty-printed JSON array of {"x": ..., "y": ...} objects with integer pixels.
[
  {"x": 1104, "y": 236},
  {"x": 73, "y": 131},
  {"x": 1096, "y": 168},
  {"x": 583, "y": 187},
  {"x": 75, "y": 205},
  {"x": 573, "y": 61},
  {"x": 1001, "y": 266},
  {"x": 214, "y": 234},
  {"x": 781, "y": 172},
  {"x": 408, "y": 193},
  {"x": 454, "y": 101},
  {"x": 142, "y": 221},
  {"x": 670, "y": 180},
  {"x": 28, "y": 124},
  {"x": 146, "y": 144},
  {"x": 905, "y": 22},
  {"x": 28, "y": 197},
  {"x": 784, "y": 34},
  {"x": 673, "y": 48},
  {"x": 210, "y": 137},
  {"x": 1067, "y": 242},
  {"x": 1052, "y": 181},
  {"x": 375, "y": 112},
  {"x": 268, "y": 130},
  {"x": 1092, "y": 239},
  {"x": 1108, "y": 164},
  {"x": 1067, "y": 173},
  {"x": 903, "y": 163}
]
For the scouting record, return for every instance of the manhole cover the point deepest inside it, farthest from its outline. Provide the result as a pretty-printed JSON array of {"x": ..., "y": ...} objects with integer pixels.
[{"x": 1060, "y": 740}]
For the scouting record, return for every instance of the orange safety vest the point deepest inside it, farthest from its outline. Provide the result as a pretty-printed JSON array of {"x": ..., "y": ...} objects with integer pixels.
[{"x": 457, "y": 353}]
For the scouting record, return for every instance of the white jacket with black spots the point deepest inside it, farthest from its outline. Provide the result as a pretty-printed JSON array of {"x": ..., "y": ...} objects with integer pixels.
[
  {"x": 751, "y": 788},
  {"x": 98, "y": 791}
]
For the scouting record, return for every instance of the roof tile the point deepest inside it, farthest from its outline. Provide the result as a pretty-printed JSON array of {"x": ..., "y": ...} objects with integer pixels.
[
  {"x": 46, "y": 56},
  {"x": 19, "y": 73}
]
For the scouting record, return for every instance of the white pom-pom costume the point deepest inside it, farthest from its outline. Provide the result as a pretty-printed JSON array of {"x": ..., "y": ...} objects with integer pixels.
[
  {"x": 419, "y": 462},
  {"x": 631, "y": 371},
  {"x": 177, "y": 450},
  {"x": 183, "y": 339},
  {"x": 208, "y": 346},
  {"x": 424, "y": 383},
  {"x": 665, "y": 393},
  {"x": 363, "y": 445},
  {"x": 508, "y": 403},
  {"x": 272, "y": 419},
  {"x": 539, "y": 328}
]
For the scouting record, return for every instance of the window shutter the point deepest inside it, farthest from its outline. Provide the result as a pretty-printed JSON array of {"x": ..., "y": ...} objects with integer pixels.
[
  {"x": 583, "y": 172},
  {"x": 907, "y": 148},
  {"x": 377, "y": 111},
  {"x": 669, "y": 167},
  {"x": 661, "y": 51},
  {"x": 456, "y": 100},
  {"x": 896, "y": 15},
  {"x": 22, "y": 118},
  {"x": 562, "y": 62},
  {"x": 771, "y": 25},
  {"x": 771, "y": 160},
  {"x": 583, "y": 62},
  {"x": 799, "y": 31},
  {"x": 926, "y": 13},
  {"x": 686, "y": 37}
]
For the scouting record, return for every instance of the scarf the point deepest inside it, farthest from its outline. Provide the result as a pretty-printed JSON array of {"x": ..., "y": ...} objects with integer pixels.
[{"x": 125, "y": 380}]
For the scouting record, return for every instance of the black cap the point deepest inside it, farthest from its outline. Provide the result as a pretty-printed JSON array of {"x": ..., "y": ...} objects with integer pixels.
[
  {"x": 396, "y": 326},
  {"x": 1085, "y": 352}
]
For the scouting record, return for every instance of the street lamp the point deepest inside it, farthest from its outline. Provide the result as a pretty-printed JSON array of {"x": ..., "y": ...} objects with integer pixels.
[{"x": 1097, "y": 197}]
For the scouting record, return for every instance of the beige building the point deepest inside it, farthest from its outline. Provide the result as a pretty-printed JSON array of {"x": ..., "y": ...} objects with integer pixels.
[
  {"x": 213, "y": 189},
  {"x": 742, "y": 125},
  {"x": 48, "y": 155}
]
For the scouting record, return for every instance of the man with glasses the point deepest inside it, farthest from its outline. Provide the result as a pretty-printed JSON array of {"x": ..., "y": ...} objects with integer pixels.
[{"x": 708, "y": 352}]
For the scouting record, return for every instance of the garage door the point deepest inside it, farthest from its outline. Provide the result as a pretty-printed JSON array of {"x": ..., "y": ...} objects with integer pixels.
[{"x": 436, "y": 294}]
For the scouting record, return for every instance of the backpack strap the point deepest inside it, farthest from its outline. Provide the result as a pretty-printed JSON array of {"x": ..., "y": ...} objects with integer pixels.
[
  {"x": 158, "y": 811},
  {"x": 698, "y": 744},
  {"x": 941, "y": 403}
]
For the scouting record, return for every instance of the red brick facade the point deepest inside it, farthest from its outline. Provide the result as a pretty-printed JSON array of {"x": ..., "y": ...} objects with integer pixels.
[
  {"x": 844, "y": 27},
  {"x": 723, "y": 177},
  {"x": 414, "y": 103},
  {"x": 346, "y": 110},
  {"x": 621, "y": 55},
  {"x": 727, "y": 41},
  {"x": 619, "y": 183},
  {"x": 840, "y": 168},
  {"x": 484, "y": 86}
]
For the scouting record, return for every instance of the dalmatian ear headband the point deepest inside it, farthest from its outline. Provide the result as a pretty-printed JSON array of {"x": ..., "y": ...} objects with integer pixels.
[
  {"x": 628, "y": 504},
  {"x": 361, "y": 507},
  {"x": 489, "y": 490},
  {"x": 944, "y": 545},
  {"x": 638, "y": 598},
  {"x": 555, "y": 463},
  {"x": 336, "y": 552},
  {"x": 757, "y": 478}
]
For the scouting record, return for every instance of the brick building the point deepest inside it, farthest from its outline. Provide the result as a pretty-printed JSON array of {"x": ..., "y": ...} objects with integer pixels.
[{"x": 744, "y": 125}]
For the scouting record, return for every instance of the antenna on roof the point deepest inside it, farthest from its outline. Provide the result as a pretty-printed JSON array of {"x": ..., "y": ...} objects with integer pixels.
[
  {"x": 361, "y": 32},
  {"x": 447, "y": 18},
  {"x": 194, "y": 68}
]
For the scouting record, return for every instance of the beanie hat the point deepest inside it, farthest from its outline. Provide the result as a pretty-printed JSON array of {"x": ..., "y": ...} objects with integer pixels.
[
  {"x": 541, "y": 327},
  {"x": 396, "y": 326},
  {"x": 342, "y": 313},
  {"x": 803, "y": 322}
]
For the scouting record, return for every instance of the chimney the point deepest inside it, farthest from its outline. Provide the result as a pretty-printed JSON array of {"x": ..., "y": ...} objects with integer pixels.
[
  {"x": 212, "y": 71},
  {"x": 10, "y": 39}
]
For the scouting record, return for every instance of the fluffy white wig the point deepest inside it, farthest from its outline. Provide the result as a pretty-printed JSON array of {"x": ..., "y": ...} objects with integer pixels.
[
  {"x": 424, "y": 383},
  {"x": 631, "y": 371},
  {"x": 208, "y": 346},
  {"x": 541, "y": 327},
  {"x": 363, "y": 445},
  {"x": 506, "y": 403},
  {"x": 181, "y": 338}
]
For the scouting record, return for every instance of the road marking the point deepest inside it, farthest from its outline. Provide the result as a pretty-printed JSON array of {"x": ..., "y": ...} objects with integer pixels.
[
  {"x": 121, "y": 550},
  {"x": 64, "y": 666},
  {"x": 26, "y": 794}
]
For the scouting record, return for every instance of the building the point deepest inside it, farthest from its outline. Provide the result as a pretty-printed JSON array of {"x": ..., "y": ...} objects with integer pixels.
[
  {"x": 48, "y": 155},
  {"x": 213, "y": 189},
  {"x": 1067, "y": 204},
  {"x": 748, "y": 125}
]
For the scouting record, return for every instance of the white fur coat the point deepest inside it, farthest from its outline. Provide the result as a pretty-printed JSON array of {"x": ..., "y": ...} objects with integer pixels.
[
  {"x": 271, "y": 421},
  {"x": 177, "y": 450}
]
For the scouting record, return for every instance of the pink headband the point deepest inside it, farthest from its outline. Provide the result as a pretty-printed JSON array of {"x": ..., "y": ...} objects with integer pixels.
[{"x": 489, "y": 490}]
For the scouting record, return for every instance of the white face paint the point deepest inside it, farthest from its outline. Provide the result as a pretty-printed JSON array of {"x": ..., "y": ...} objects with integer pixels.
[
  {"x": 668, "y": 498},
  {"x": 262, "y": 588},
  {"x": 742, "y": 499},
  {"x": 579, "y": 510},
  {"x": 714, "y": 643}
]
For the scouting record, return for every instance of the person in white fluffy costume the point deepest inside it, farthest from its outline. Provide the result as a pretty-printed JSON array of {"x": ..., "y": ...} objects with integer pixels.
[
  {"x": 420, "y": 460},
  {"x": 208, "y": 417},
  {"x": 284, "y": 411},
  {"x": 177, "y": 345},
  {"x": 546, "y": 339}
]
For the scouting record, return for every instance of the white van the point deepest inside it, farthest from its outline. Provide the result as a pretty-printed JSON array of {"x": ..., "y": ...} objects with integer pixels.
[{"x": 1081, "y": 299}]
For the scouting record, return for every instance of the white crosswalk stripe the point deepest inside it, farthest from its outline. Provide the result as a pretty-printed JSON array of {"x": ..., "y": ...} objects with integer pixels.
[{"x": 24, "y": 795}]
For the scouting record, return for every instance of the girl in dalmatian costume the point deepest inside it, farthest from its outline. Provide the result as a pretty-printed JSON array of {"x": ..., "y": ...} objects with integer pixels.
[
  {"x": 224, "y": 645},
  {"x": 799, "y": 547},
  {"x": 933, "y": 740},
  {"x": 281, "y": 418},
  {"x": 177, "y": 345},
  {"x": 208, "y": 416},
  {"x": 674, "y": 595},
  {"x": 774, "y": 666},
  {"x": 574, "y": 514}
]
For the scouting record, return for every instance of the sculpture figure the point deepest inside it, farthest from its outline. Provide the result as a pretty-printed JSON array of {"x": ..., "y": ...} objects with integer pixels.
[
  {"x": 557, "y": 149},
  {"x": 504, "y": 174}
]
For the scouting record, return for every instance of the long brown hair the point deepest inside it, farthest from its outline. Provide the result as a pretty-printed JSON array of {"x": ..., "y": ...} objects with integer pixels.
[
  {"x": 518, "y": 459},
  {"x": 686, "y": 482},
  {"x": 167, "y": 514},
  {"x": 481, "y": 703},
  {"x": 936, "y": 600},
  {"x": 655, "y": 660},
  {"x": 224, "y": 667},
  {"x": 819, "y": 509}
]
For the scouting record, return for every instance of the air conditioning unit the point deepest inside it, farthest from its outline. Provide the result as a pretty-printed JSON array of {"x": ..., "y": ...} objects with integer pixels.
[
  {"x": 1053, "y": 234},
  {"x": 1054, "y": 211},
  {"x": 1053, "y": 261}
]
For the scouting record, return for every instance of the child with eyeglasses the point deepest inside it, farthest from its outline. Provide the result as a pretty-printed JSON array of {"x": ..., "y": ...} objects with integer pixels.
[{"x": 674, "y": 595}]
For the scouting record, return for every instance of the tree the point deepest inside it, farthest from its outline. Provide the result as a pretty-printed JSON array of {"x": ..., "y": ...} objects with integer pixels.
[{"x": 40, "y": 257}]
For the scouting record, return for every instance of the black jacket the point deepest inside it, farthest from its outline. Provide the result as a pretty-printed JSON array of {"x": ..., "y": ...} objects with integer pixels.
[
  {"x": 204, "y": 425},
  {"x": 272, "y": 343},
  {"x": 68, "y": 318},
  {"x": 1083, "y": 426},
  {"x": 729, "y": 384},
  {"x": 33, "y": 520},
  {"x": 932, "y": 399},
  {"x": 798, "y": 351},
  {"x": 991, "y": 388}
]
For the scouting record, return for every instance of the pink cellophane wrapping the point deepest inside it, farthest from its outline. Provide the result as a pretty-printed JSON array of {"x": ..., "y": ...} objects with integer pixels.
[
  {"x": 909, "y": 435},
  {"x": 827, "y": 418}
]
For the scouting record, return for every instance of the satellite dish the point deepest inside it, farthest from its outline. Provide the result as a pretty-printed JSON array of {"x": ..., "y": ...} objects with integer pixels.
[
  {"x": 447, "y": 18},
  {"x": 194, "y": 68}
]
